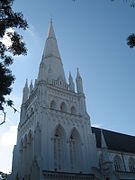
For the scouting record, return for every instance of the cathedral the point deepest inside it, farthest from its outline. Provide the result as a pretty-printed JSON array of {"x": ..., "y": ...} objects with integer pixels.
[{"x": 55, "y": 140}]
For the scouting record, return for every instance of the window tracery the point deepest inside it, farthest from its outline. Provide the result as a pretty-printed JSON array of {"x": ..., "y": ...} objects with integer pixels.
[
  {"x": 59, "y": 147},
  {"x": 117, "y": 163},
  {"x": 53, "y": 104},
  {"x": 63, "y": 107},
  {"x": 75, "y": 150},
  {"x": 73, "y": 110},
  {"x": 131, "y": 164}
]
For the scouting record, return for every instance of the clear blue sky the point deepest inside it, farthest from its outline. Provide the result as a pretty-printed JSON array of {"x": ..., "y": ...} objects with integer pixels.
[{"x": 91, "y": 35}]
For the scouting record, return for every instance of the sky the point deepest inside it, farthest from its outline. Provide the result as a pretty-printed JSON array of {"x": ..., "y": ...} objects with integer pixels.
[{"x": 91, "y": 35}]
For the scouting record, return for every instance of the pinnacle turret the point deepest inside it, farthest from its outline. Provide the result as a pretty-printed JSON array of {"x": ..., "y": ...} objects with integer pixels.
[
  {"x": 71, "y": 83},
  {"x": 31, "y": 87},
  {"x": 103, "y": 142},
  {"x": 25, "y": 92},
  {"x": 105, "y": 157},
  {"x": 79, "y": 82}
]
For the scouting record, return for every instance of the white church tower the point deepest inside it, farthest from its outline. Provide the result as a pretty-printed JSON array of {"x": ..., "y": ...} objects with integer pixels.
[{"x": 55, "y": 139}]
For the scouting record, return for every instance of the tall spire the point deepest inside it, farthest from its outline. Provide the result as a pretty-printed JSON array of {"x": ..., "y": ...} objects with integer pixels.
[
  {"x": 51, "y": 58},
  {"x": 51, "y": 47}
]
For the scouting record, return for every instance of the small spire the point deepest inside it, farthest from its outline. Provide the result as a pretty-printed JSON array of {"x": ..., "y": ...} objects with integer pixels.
[
  {"x": 31, "y": 87},
  {"x": 51, "y": 20},
  {"x": 25, "y": 92},
  {"x": 104, "y": 148},
  {"x": 79, "y": 82},
  {"x": 103, "y": 142},
  {"x": 78, "y": 74},
  {"x": 70, "y": 76},
  {"x": 71, "y": 83},
  {"x": 35, "y": 83},
  {"x": 26, "y": 83}
]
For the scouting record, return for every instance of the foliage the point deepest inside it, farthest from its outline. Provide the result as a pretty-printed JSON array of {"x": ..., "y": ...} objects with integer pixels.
[
  {"x": 9, "y": 20},
  {"x": 3, "y": 176},
  {"x": 131, "y": 40},
  {"x": 131, "y": 2}
]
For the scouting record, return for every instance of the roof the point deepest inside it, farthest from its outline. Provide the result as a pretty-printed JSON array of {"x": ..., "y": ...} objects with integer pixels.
[{"x": 115, "y": 141}]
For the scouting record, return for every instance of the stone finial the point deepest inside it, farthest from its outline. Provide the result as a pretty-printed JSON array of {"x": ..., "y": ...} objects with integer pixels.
[
  {"x": 71, "y": 83},
  {"x": 79, "y": 82},
  {"x": 31, "y": 87}
]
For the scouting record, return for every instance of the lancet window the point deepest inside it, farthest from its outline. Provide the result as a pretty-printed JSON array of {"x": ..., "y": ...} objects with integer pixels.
[
  {"x": 73, "y": 110},
  {"x": 117, "y": 163},
  {"x": 75, "y": 150},
  {"x": 53, "y": 104},
  {"x": 59, "y": 148},
  {"x": 63, "y": 107},
  {"x": 131, "y": 164}
]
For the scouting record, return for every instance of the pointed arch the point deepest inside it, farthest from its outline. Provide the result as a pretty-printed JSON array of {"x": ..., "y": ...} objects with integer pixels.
[
  {"x": 63, "y": 107},
  {"x": 75, "y": 133},
  {"x": 21, "y": 145},
  {"x": 25, "y": 141},
  {"x": 21, "y": 149},
  {"x": 59, "y": 147},
  {"x": 131, "y": 164},
  {"x": 30, "y": 136},
  {"x": 17, "y": 176},
  {"x": 37, "y": 141},
  {"x": 118, "y": 165},
  {"x": 73, "y": 110},
  {"x": 75, "y": 147},
  {"x": 35, "y": 170},
  {"x": 53, "y": 104},
  {"x": 60, "y": 129}
]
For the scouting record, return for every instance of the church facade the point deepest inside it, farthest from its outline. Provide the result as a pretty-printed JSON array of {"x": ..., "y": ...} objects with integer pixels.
[{"x": 55, "y": 139}]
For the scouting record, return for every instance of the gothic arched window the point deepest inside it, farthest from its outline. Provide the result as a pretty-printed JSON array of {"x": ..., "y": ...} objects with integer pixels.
[
  {"x": 53, "y": 104},
  {"x": 131, "y": 164},
  {"x": 59, "y": 147},
  {"x": 29, "y": 137},
  {"x": 63, "y": 107},
  {"x": 118, "y": 163},
  {"x": 21, "y": 145},
  {"x": 73, "y": 110},
  {"x": 17, "y": 176},
  {"x": 37, "y": 140},
  {"x": 100, "y": 160},
  {"x": 25, "y": 141},
  {"x": 30, "y": 149},
  {"x": 75, "y": 150}
]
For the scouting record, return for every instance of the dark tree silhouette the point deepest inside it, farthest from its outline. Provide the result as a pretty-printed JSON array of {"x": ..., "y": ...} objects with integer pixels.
[
  {"x": 3, "y": 176},
  {"x": 131, "y": 2},
  {"x": 9, "y": 20},
  {"x": 131, "y": 40}
]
